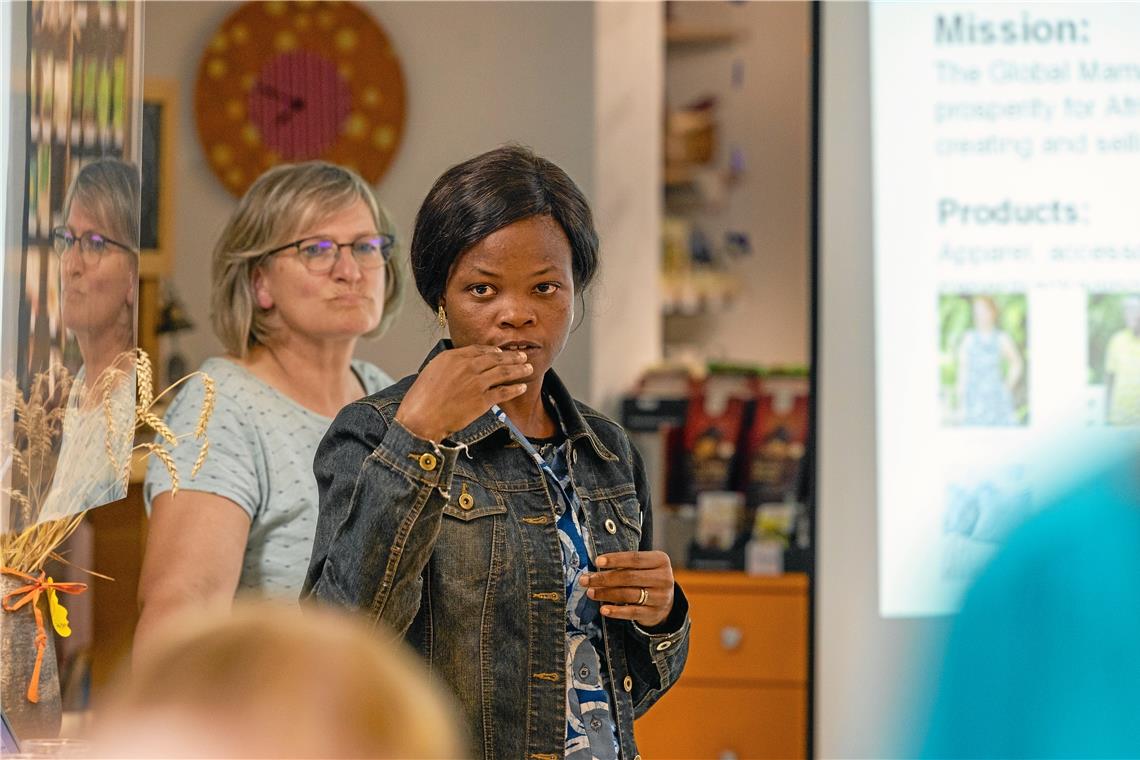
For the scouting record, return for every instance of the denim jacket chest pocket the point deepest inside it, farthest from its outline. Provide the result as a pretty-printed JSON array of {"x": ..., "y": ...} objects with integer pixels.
[
  {"x": 470, "y": 546},
  {"x": 615, "y": 519}
]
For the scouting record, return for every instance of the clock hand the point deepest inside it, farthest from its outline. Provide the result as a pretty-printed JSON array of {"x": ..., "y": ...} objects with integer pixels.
[
  {"x": 271, "y": 91},
  {"x": 295, "y": 105}
]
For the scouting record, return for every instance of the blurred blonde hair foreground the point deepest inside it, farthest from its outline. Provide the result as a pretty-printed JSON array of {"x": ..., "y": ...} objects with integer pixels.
[{"x": 274, "y": 681}]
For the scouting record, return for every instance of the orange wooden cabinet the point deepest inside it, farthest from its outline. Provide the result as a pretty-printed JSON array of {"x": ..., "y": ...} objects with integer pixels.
[{"x": 744, "y": 690}]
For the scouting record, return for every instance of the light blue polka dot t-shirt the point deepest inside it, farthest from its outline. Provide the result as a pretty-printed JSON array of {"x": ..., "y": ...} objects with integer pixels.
[{"x": 262, "y": 445}]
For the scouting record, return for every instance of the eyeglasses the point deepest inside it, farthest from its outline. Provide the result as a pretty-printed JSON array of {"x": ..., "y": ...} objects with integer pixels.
[
  {"x": 321, "y": 254},
  {"x": 91, "y": 244}
]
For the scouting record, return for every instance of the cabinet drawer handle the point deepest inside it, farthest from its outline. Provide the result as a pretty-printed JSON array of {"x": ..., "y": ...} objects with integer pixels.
[{"x": 730, "y": 638}]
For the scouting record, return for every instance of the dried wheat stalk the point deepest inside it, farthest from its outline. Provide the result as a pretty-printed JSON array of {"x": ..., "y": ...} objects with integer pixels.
[{"x": 37, "y": 425}]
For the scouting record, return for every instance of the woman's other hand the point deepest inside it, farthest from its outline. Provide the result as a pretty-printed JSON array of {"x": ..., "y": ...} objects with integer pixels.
[
  {"x": 458, "y": 386},
  {"x": 622, "y": 578}
]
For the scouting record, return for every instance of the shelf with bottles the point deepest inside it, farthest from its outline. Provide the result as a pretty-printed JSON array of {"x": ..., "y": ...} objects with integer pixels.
[
  {"x": 697, "y": 272},
  {"x": 697, "y": 292}
]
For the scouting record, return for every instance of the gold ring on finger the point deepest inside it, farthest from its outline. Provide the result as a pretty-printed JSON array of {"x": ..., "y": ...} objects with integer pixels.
[{"x": 641, "y": 600}]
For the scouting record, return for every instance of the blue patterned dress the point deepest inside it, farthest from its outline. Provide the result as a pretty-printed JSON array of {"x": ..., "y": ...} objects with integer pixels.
[
  {"x": 591, "y": 731},
  {"x": 986, "y": 400}
]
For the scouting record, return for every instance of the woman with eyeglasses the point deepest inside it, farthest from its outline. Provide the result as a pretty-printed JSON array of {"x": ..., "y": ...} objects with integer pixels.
[
  {"x": 305, "y": 267},
  {"x": 97, "y": 252}
]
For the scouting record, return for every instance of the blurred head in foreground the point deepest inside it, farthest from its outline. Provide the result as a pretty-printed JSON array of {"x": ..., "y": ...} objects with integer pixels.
[
  {"x": 268, "y": 681},
  {"x": 1044, "y": 659}
]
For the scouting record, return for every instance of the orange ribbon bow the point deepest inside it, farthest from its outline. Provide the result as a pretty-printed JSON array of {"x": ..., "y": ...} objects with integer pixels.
[{"x": 30, "y": 594}]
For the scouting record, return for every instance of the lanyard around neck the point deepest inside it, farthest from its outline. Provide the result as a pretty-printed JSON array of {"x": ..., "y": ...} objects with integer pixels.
[{"x": 532, "y": 452}]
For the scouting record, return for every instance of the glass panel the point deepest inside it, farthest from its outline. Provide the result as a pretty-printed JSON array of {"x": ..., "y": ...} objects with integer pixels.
[{"x": 67, "y": 356}]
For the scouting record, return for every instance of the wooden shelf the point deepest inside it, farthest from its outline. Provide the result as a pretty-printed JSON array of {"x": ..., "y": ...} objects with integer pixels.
[
  {"x": 677, "y": 174},
  {"x": 734, "y": 581},
  {"x": 747, "y": 673},
  {"x": 680, "y": 33}
]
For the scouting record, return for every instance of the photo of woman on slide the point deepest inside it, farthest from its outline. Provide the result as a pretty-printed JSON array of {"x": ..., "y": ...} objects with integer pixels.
[
  {"x": 1114, "y": 357},
  {"x": 983, "y": 340}
]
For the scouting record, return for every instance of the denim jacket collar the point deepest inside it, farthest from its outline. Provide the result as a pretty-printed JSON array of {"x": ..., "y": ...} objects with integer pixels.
[{"x": 487, "y": 423}]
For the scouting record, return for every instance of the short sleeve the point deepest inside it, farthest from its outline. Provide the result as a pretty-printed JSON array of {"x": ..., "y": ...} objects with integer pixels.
[{"x": 230, "y": 469}]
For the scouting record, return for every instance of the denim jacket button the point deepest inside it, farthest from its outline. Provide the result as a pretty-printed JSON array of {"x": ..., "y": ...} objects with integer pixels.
[
  {"x": 428, "y": 461},
  {"x": 611, "y": 526},
  {"x": 466, "y": 501},
  {"x": 664, "y": 645},
  {"x": 627, "y": 683}
]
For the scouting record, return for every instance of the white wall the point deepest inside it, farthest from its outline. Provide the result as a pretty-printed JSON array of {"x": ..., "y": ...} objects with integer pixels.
[
  {"x": 769, "y": 117},
  {"x": 866, "y": 687},
  {"x": 625, "y": 306},
  {"x": 477, "y": 75}
]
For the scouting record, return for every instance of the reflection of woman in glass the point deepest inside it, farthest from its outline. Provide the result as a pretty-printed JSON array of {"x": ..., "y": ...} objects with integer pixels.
[
  {"x": 989, "y": 368},
  {"x": 98, "y": 250},
  {"x": 98, "y": 263}
]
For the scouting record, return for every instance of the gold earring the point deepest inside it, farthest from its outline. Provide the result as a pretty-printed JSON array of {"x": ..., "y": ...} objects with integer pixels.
[{"x": 442, "y": 317}]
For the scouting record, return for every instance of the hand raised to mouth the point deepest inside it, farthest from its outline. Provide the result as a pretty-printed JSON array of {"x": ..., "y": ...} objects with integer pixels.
[{"x": 458, "y": 386}]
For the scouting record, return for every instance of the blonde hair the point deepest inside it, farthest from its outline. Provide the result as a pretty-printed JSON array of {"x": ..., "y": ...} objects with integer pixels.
[
  {"x": 279, "y": 204},
  {"x": 273, "y": 681},
  {"x": 108, "y": 190}
]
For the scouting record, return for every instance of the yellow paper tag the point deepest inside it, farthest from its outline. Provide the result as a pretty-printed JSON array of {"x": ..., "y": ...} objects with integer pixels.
[{"x": 58, "y": 613}]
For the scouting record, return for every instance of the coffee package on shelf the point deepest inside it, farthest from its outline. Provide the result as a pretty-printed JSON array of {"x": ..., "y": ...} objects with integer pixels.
[
  {"x": 711, "y": 438},
  {"x": 776, "y": 441}
]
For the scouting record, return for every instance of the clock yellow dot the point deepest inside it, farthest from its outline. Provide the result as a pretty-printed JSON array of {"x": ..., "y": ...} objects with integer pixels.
[
  {"x": 326, "y": 19},
  {"x": 251, "y": 136},
  {"x": 285, "y": 41},
  {"x": 247, "y": 81},
  {"x": 222, "y": 154},
  {"x": 275, "y": 8},
  {"x": 355, "y": 125},
  {"x": 219, "y": 43},
  {"x": 371, "y": 97},
  {"x": 240, "y": 34},
  {"x": 346, "y": 40},
  {"x": 216, "y": 68},
  {"x": 271, "y": 158},
  {"x": 383, "y": 137},
  {"x": 303, "y": 21},
  {"x": 235, "y": 177},
  {"x": 235, "y": 109},
  {"x": 346, "y": 70}
]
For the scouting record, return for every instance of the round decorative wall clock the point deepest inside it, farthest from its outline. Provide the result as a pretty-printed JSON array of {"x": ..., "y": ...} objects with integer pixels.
[{"x": 290, "y": 81}]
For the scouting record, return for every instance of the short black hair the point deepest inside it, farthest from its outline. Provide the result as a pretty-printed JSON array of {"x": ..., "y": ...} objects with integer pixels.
[{"x": 486, "y": 193}]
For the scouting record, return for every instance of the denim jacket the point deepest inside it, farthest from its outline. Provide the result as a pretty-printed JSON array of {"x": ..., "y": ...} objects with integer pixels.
[{"x": 457, "y": 550}]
